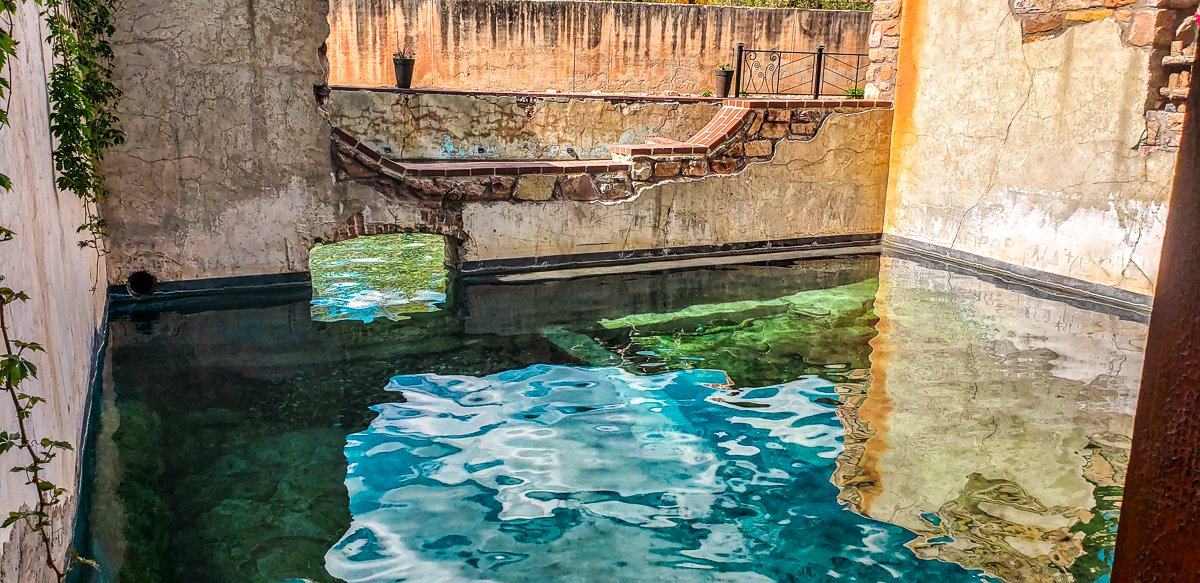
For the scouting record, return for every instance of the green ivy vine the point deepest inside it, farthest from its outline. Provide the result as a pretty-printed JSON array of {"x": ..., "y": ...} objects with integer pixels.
[{"x": 83, "y": 125}]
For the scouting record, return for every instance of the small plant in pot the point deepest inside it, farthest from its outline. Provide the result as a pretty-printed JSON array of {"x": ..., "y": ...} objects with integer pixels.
[
  {"x": 723, "y": 77},
  {"x": 403, "y": 62}
]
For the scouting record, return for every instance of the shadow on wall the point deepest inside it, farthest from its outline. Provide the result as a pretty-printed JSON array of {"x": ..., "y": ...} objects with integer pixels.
[{"x": 569, "y": 46}]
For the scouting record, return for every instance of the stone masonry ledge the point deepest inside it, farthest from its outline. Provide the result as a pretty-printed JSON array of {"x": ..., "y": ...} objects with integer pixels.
[
  {"x": 535, "y": 94},
  {"x": 733, "y": 114},
  {"x": 478, "y": 168}
]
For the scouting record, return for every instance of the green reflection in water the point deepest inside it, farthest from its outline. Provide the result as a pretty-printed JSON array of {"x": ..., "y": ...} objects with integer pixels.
[{"x": 384, "y": 276}]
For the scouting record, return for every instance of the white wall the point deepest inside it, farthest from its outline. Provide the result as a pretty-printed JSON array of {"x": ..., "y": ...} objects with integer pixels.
[{"x": 65, "y": 283}]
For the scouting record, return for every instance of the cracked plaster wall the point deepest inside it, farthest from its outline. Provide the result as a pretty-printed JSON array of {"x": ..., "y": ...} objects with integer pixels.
[
  {"x": 1026, "y": 153},
  {"x": 833, "y": 184},
  {"x": 570, "y": 46},
  {"x": 226, "y": 166},
  {"x": 506, "y": 127},
  {"x": 67, "y": 298}
]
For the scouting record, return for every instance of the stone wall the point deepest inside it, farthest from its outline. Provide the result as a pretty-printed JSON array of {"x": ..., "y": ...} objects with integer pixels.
[
  {"x": 67, "y": 291},
  {"x": 226, "y": 163},
  {"x": 566, "y": 45},
  {"x": 830, "y": 185},
  {"x": 1028, "y": 153},
  {"x": 488, "y": 126}
]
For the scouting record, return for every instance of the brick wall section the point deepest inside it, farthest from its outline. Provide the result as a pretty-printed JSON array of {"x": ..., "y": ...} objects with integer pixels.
[{"x": 883, "y": 48}]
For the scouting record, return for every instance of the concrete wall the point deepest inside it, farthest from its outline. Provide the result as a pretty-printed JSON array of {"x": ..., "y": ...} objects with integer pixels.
[
  {"x": 67, "y": 291},
  {"x": 507, "y": 127},
  {"x": 569, "y": 46},
  {"x": 226, "y": 162},
  {"x": 831, "y": 185},
  {"x": 1026, "y": 152}
]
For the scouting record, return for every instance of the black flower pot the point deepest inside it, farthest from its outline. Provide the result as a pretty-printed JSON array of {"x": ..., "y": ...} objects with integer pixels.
[
  {"x": 404, "y": 70},
  {"x": 723, "y": 80}
]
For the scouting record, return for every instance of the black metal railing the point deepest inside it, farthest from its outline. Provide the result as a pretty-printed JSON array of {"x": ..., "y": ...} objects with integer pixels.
[{"x": 820, "y": 73}]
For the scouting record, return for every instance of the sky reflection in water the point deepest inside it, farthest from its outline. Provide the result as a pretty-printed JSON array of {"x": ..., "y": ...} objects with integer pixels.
[{"x": 572, "y": 473}]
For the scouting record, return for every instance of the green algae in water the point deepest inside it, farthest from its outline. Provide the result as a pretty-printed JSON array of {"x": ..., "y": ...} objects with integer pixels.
[{"x": 383, "y": 276}]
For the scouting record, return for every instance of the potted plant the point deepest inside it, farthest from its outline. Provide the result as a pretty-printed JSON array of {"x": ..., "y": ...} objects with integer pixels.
[
  {"x": 403, "y": 62},
  {"x": 724, "y": 76}
]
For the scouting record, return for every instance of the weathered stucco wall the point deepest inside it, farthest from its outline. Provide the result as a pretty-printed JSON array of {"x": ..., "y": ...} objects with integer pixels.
[
  {"x": 507, "y": 127},
  {"x": 569, "y": 46},
  {"x": 226, "y": 160},
  {"x": 1026, "y": 153},
  {"x": 67, "y": 299},
  {"x": 831, "y": 185}
]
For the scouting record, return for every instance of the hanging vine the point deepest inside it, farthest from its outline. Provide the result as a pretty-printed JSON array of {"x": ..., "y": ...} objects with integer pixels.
[{"x": 83, "y": 125}]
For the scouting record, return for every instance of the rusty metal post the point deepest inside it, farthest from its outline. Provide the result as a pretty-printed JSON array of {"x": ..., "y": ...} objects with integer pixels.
[
  {"x": 737, "y": 69},
  {"x": 1158, "y": 539}
]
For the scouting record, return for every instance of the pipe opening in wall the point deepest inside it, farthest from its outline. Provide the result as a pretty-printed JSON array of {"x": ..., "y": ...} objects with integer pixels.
[{"x": 141, "y": 284}]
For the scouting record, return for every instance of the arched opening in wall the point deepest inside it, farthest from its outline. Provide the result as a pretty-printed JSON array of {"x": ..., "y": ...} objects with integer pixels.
[{"x": 380, "y": 276}]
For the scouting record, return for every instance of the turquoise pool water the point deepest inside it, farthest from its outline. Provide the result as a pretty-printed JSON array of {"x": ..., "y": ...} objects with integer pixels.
[{"x": 849, "y": 419}]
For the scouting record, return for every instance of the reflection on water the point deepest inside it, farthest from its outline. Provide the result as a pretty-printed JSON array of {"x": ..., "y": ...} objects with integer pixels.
[
  {"x": 384, "y": 276},
  {"x": 823, "y": 420},
  {"x": 554, "y": 472},
  {"x": 997, "y": 425}
]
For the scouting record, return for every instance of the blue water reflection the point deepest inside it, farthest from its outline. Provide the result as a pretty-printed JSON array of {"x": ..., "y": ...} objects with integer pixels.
[{"x": 595, "y": 474}]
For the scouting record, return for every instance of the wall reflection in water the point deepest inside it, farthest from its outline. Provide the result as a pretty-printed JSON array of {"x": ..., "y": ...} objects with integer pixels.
[{"x": 997, "y": 425}]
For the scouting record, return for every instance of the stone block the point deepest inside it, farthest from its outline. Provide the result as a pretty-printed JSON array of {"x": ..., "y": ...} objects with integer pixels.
[
  {"x": 616, "y": 191},
  {"x": 1152, "y": 132},
  {"x": 809, "y": 115},
  {"x": 502, "y": 186},
  {"x": 536, "y": 187},
  {"x": 667, "y": 169},
  {"x": 881, "y": 55},
  {"x": 784, "y": 115},
  {"x": 696, "y": 168},
  {"x": 724, "y": 165},
  {"x": 734, "y": 150},
  {"x": 1077, "y": 4},
  {"x": 1030, "y": 6},
  {"x": 641, "y": 170},
  {"x": 876, "y": 37},
  {"x": 579, "y": 187},
  {"x": 1123, "y": 15},
  {"x": 1118, "y": 3},
  {"x": 1144, "y": 28},
  {"x": 1175, "y": 121},
  {"x": 759, "y": 148},
  {"x": 890, "y": 42},
  {"x": 468, "y": 190},
  {"x": 428, "y": 188},
  {"x": 1036, "y": 23},
  {"x": 755, "y": 124},
  {"x": 886, "y": 10},
  {"x": 770, "y": 130},
  {"x": 804, "y": 129},
  {"x": 1089, "y": 15}
]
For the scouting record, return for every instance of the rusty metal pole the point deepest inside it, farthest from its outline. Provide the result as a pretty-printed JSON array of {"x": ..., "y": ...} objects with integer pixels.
[
  {"x": 1158, "y": 539},
  {"x": 737, "y": 70}
]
